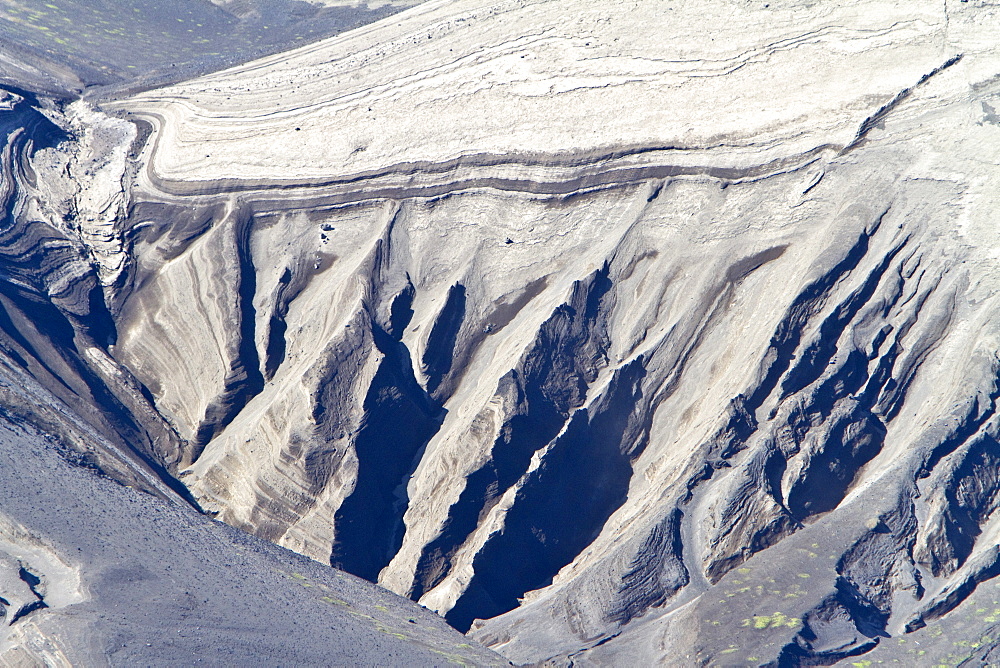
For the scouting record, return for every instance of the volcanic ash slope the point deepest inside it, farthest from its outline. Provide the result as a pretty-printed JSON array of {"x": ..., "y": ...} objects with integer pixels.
[
  {"x": 102, "y": 559},
  {"x": 647, "y": 332},
  {"x": 96, "y": 574}
]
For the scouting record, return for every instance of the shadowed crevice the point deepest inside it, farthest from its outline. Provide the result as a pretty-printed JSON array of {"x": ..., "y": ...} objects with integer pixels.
[
  {"x": 440, "y": 350},
  {"x": 399, "y": 419},
  {"x": 563, "y": 505},
  {"x": 244, "y": 380}
]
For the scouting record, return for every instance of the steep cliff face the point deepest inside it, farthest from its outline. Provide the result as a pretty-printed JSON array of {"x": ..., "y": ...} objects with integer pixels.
[
  {"x": 638, "y": 349},
  {"x": 63, "y": 197},
  {"x": 103, "y": 561}
]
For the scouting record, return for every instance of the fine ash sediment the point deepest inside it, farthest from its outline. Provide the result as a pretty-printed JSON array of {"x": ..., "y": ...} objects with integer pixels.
[{"x": 670, "y": 387}]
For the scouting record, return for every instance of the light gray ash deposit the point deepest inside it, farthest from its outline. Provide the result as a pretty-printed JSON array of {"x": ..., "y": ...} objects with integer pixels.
[{"x": 612, "y": 332}]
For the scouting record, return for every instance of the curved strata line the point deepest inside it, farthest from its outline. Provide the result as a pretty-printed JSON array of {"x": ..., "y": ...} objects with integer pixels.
[
  {"x": 561, "y": 173},
  {"x": 566, "y": 174}
]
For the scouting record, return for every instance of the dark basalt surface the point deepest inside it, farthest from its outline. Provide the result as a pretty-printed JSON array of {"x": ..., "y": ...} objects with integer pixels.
[
  {"x": 73, "y": 45},
  {"x": 164, "y": 585}
]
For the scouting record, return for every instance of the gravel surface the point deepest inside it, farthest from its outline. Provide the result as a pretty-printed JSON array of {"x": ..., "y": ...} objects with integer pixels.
[{"x": 132, "y": 580}]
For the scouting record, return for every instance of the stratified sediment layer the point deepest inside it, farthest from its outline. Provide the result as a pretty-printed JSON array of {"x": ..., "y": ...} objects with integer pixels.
[
  {"x": 645, "y": 333},
  {"x": 447, "y": 80}
]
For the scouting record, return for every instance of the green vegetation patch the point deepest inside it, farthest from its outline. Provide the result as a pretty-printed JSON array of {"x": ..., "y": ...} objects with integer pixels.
[{"x": 776, "y": 621}]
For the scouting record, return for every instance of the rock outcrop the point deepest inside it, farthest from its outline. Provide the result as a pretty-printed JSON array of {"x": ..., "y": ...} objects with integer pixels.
[
  {"x": 103, "y": 559},
  {"x": 611, "y": 332}
]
